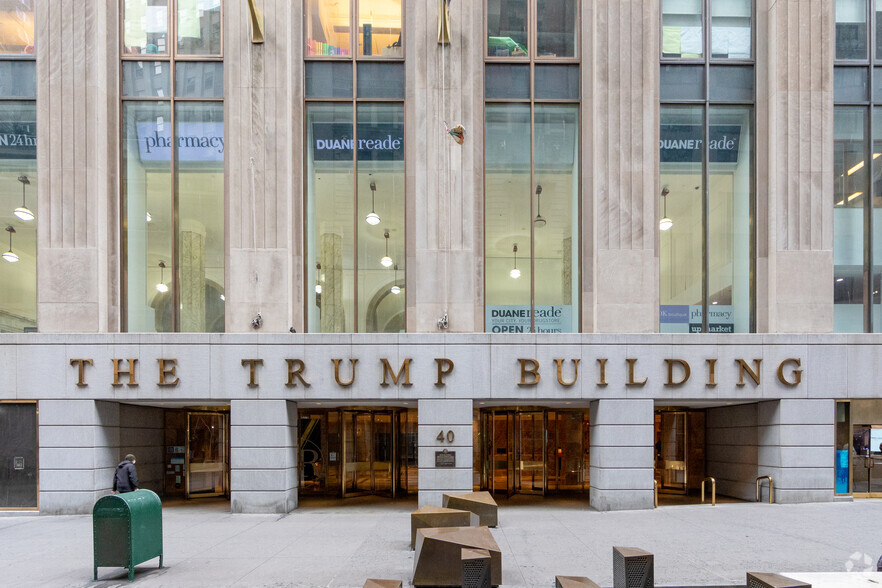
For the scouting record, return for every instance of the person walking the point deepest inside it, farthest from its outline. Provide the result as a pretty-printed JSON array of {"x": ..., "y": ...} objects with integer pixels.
[{"x": 125, "y": 479}]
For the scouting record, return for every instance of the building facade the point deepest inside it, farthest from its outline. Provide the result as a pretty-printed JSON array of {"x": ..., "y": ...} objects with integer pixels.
[{"x": 280, "y": 249}]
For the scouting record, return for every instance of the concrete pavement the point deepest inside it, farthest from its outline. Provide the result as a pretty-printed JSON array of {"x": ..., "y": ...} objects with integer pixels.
[{"x": 343, "y": 543}]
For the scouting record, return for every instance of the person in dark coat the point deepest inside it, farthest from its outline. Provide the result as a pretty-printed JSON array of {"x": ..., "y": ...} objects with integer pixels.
[{"x": 126, "y": 478}]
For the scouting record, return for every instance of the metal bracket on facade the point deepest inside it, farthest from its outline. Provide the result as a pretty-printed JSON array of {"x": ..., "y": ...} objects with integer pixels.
[{"x": 256, "y": 22}]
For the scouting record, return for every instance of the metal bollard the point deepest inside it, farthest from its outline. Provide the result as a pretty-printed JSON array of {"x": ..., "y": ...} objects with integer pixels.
[
  {"x": 713, "y": 490},
  {"x": 771, "y": 487}
]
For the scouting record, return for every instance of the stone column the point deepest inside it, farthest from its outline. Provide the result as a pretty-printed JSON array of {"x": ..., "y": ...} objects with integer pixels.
[
  {"x": 77, "y": 166},
  {"x": 263, "y": 456},
  {"x": 79, "y": 450},
  {"x": 444, "y": 181},
  {"x": 794, "y": 175},
  {"x": 192, "y": 243},
  {"x": 795, "y": 447},
  {"x": 263, "y": 167},
  {"x": 622, "y": 454},
  {"x": 443, "y": 416},
  {"x": 620, "y": 106}
]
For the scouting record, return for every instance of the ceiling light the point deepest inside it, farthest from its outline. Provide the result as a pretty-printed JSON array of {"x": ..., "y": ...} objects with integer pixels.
[
  {"x": 395, "y": 289},
  {"x": 318, "y": 273},
  {"x": 853, "y": 196},
  {"x": 149, "y": 217},
  {"x": 161, "y": 287},
  {"x": 539, "y": 221},
  {"x": 372, "y": 218},
  {"x": 22, "y": 211},
  {"x": 515, "y": 272},
  {"x": 840, "y": 279},
  {"x": 855, "y": 168},
  {"x": 10, "y": 256},
  {"x": 386, "y": 260},
  {"x": 665, "y": 223}
]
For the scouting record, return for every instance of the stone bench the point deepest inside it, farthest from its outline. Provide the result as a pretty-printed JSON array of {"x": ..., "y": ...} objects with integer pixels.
[
  {"x": 574, "y": 582},
  {"x": 371, "y": 583},
  {"x": 429, "y": 517},
  {"x": 480, "y": 503},
  {"x": 437, "y": 560}
]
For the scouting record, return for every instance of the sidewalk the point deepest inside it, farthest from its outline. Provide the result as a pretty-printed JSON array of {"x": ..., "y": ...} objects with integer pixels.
[{"x": 342, "y": 544}]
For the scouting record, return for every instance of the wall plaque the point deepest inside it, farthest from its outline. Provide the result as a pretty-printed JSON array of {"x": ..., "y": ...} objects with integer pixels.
[{"x": 445, "y": 459}]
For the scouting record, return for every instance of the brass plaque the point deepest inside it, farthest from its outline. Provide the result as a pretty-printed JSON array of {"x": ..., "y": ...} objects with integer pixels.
[{"x": 445, "y": 459}]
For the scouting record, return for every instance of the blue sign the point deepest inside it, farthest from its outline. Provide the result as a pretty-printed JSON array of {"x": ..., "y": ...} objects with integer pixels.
[
  {"x": 685, "y": 143},
  {"x": 196, "y": 141},
  {"x": 842, "y": 471},
  {"x": 376, "y": 142}
]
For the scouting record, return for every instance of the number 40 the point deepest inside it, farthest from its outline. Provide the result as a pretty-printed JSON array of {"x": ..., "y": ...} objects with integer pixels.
[{"x": 449, "y": 438}]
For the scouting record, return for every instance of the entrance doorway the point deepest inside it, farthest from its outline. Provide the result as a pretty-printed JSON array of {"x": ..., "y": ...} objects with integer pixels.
[
  {"x": 350, "y": 452},
  {"x": 197, "y": 452},
  {"x": 679, "y": 450},
  {"x": 532, "y": 451},
  {"x": 18, "y": 455}
]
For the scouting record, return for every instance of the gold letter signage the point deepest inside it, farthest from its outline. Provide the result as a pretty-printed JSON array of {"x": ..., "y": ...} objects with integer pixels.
[
  {"x": 117, "y": 371},
  {"x": 165, "y": 370},
  {"x": 797, "y": 374},
  {"x": 81, "y": 370}
]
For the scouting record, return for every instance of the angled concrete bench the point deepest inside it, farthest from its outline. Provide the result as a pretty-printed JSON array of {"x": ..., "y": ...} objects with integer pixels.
[
  {"x": 437, "y": 560},
  {"x": 763, "y": 580},
  {"x": 371, "y": 583},
  {"x": 429, "y": 517},
  {"x": 480, "y": 503},
  {"x": 574, "y": 582}
]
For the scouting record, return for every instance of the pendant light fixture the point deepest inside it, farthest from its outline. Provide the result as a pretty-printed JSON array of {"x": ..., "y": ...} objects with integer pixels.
[
  {"x": 161, "y": 287},
  {"x": 665, "y": 223},
  {"x": 395, "y": 289},
  {"x": 386, "y": 260},
  {"x": 318, "y": 274},
  {"x": 539, "y": 221},
  {"x": 10, "y": 256},
  {"x": 22, "y": 212},
  {"x": 372, "y": 218},
  {"x": 515, "y": 272}
]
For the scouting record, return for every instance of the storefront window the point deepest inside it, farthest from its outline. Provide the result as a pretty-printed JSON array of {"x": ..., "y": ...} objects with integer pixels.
[
  {"x": 857, "y": 143},
  {"x": 531, "y": 169},
  {"x": 329, "y": 29},
  {"x": 706, "y": 168},
  {"x": 18, "y": 168},
  {"x": 355, "y": 196},
  {"x": 173, "y": 158}
]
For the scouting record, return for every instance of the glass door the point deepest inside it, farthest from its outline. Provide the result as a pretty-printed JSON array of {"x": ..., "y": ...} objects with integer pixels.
[
  {"x": 356, "y": 453},
  {"x": 670, "y": 444},
  {"x": 18, "y": 455},
  {"x": 207, "y": 463},
  {"x": 531, "y": 452},
  {"x": 383, "y": 456},
  {"x": 502, "y": 453},
  {"x": 566, "y": 452},
  {"x": 867, "y": 461}
]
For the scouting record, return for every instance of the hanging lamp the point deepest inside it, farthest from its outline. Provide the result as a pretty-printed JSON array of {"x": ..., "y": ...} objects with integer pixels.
[
  {"x": 665, "y": 223},
  {"x": 386, "y": 260},
  {"x": 23, "y": 212},
  {"x": 539, "y": 221},
  {"x": 515, "y": 272},
  {"x": 395, "y": 289},
  {"x": 372, "y": 218},
  {"x": 10, "y": 256},
  {"x": 161, "y": 287}
]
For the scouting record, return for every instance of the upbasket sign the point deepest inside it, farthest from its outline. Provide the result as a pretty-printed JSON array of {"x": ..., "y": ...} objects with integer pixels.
[
  {"x": 334, "y": 142},
  {"x": 196, "y": 141}
]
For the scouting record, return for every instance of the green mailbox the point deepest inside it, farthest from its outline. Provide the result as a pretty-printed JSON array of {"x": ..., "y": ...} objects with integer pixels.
[{"x": 127, "y": 530}]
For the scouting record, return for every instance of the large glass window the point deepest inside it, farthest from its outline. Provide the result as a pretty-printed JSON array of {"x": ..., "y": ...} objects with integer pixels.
[
  {"x": 355, "y": 167},
  {"x": 18, "y": 167},
  {"x": 531, "y": 170},
  {"x": 509, "y": 24},
  {"x": 329, "y": 26},
  {"x": 706, "y": 168},
  {"x": 857, "y": 143},
  {"x": 172, "y": 164}
]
